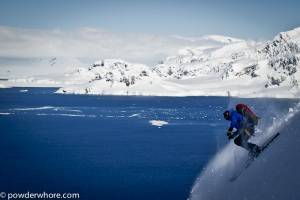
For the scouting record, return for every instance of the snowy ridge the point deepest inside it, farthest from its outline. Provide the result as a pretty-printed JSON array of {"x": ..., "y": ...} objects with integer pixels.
[
  {"x": 113, "y": 76},
  {"x": 218, "y": 66},
  {"x": 243, "y": 68}
]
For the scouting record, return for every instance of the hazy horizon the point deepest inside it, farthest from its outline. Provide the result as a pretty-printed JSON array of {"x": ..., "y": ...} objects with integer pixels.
[{"x": 137, "y": 31}]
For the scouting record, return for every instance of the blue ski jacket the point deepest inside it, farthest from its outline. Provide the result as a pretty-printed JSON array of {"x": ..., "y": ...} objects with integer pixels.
[{"x": 236, "y": 119}]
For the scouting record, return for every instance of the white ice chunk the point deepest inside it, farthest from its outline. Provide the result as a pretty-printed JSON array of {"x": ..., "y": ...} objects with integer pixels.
[{"x": 158, "y": 123}]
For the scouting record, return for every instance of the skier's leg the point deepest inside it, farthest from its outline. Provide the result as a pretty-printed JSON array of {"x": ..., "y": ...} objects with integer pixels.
[
  {"x": 238, "y": 140},
  {"x": 245, "y": 138},
  {"x": 253, "y": 149},
  {"x": 241, "y": 141}
]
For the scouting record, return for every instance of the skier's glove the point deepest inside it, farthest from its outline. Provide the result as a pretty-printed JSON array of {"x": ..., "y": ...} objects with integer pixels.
[{"x": 229, "y": 134}]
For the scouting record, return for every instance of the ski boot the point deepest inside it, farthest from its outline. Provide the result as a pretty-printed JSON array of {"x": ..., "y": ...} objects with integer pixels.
[{"x": 254, "y": 150}]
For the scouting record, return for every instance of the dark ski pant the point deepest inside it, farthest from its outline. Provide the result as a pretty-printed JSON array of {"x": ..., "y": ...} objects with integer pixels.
[{"x": 242, "y": 139}]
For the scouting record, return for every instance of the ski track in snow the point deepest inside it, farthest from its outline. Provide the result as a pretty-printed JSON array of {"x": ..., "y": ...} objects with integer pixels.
[{"x": 227, "y": 160}]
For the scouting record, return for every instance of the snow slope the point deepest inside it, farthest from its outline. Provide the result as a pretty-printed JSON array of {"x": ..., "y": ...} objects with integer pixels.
[{"x": 273, "y": 175}]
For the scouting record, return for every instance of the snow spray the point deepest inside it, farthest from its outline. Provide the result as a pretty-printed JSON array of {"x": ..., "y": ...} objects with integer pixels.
[{"x": 215, "y": 175}]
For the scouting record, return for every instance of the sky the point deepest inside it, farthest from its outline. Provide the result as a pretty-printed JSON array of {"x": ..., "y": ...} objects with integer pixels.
[
  {"x": 138, "y": 30},
  {"x": 255, "y": 19}
]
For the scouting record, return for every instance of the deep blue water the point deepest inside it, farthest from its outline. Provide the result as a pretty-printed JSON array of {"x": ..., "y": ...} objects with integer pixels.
[{"x": 104, "y": 147}]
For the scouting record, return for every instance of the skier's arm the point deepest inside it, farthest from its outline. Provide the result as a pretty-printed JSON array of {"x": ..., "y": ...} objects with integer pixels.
[
  {"x": 229, "y": 133},
  {"x": 233, "y": 123},
  {"x": 229, "y": 130}
]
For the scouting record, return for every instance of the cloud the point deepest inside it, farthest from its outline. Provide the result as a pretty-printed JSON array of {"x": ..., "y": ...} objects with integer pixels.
[{"x": 92, "y": 43}]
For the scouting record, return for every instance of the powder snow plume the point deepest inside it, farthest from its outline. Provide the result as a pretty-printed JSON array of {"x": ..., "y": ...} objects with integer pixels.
[{"x": 214, "y": 179}]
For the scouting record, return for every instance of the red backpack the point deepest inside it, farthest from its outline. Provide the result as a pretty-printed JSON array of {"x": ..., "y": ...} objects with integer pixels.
[{"x": 244, "y": 110}]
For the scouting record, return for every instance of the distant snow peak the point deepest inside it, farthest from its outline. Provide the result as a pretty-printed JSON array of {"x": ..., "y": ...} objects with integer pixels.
[
  {"x": 218, "y": 65},
  {"x": 119, "y": 71},
  {"x": 211, "y": 38},
  {"x": 283, "y": 59},
  {"x": 223, "y": 39},
  {"x": 112, "y": 76}
]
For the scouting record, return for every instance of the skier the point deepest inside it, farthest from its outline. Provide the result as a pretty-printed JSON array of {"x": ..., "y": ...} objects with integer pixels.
[{"x": 244, "y": 121}]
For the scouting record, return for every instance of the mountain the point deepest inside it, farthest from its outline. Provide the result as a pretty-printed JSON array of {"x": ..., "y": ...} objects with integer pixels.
[
  {"x": 113, "y": 76},
  {"x": 221, "y": 65},
  {"x": 239, "y": 67}
]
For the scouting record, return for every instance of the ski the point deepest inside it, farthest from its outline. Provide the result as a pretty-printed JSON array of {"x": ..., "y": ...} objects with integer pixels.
[
  {"x": 251, "y": 157},
  {"x": 269, "y": 141},
  {"x": 246, "y": 164}
]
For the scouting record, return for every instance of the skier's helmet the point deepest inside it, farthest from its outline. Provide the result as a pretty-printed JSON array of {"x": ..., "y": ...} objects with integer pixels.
[{"x": 226, "y": 114}]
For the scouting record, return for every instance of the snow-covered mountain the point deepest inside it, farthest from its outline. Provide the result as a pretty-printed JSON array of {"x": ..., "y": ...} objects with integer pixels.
[
  {"x": 112, "y": 76},
  {"x": 243, "y": 68},
  {"x": 226, "y": 65}
]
